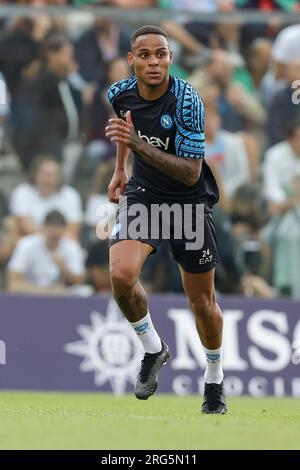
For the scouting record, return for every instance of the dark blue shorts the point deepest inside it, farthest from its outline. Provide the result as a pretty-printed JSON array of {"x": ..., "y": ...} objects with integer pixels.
[{"x": 147, "y": 227}]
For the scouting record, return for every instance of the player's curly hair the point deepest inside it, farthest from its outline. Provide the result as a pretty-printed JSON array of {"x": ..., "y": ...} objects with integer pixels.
[{"x": 147, "y": 29}]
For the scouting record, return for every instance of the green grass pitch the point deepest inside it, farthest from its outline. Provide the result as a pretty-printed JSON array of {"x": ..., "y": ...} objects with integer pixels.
[{"x": 102, "y": 421}]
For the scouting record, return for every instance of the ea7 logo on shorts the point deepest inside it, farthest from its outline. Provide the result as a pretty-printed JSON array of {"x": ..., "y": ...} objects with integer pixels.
[
  {"x": 155, "y": 141},
  {"x": 123, "y": 113},
  {"x": 206, "y": 257},
  {"x": 166, "y": 121}
]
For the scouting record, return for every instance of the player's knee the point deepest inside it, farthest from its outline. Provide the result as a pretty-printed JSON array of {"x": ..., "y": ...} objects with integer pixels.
[
  {"x": 204, "y": 307},
  {"x": 122, "y": 279}
]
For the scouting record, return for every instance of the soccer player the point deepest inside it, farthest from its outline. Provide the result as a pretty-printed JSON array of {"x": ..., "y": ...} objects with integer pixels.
[{"x": 161, "y": 121}]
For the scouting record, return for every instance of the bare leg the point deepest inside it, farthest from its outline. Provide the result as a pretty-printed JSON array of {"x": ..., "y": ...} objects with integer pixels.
[
  {"x": 200, "y": 291},
  {"x": 126, "y": 261}
]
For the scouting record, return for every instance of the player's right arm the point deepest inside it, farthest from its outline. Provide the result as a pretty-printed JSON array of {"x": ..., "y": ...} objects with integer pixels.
[{"x": 119, "y": 180}]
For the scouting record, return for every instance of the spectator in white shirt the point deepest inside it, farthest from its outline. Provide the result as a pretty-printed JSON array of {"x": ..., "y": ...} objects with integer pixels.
[
  {"x": 99, "y": 217},
  {"x": 45, "y": 191},
  {"x": 46, "y": 263},
  {"x": 281, "y": 169},
  {"x": 228, "y": 155}
]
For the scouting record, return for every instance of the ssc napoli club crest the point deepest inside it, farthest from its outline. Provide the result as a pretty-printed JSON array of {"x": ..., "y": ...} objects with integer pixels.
[{"x": 166, "y": 121}]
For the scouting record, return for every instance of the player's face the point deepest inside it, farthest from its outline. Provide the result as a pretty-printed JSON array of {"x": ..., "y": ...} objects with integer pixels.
[{"x": 151, "y": 58}]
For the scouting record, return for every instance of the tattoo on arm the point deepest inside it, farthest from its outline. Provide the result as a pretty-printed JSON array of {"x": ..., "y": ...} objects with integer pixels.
[{"x": 185, "y": 170}]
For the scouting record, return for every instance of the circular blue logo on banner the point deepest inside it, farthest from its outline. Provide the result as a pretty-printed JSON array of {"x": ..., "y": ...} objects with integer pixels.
[{"x": 166, "y": 121}]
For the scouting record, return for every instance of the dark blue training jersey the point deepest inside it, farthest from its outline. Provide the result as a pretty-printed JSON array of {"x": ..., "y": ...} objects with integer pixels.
[{"x": 174, "y": 123}]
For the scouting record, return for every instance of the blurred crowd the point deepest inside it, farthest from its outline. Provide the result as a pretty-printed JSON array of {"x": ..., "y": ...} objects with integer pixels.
[
  {"x": 184, "y": 5},
  {"x": 56, "y": 163}
]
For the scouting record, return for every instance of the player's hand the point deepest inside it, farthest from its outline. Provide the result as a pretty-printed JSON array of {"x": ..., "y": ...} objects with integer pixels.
[
  {"x": 122, "y": 131},
  {"x": 117, "y": 186}
]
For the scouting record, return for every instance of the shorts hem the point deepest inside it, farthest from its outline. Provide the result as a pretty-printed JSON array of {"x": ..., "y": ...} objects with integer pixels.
[
  {"x": 199, "y": 269},
  {"x": 113, "y": 242}
]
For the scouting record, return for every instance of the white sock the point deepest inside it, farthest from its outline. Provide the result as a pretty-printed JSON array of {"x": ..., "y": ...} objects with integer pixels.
[
  {"x": 148, "y": 335},
  {"x": 214, "y": 372}
]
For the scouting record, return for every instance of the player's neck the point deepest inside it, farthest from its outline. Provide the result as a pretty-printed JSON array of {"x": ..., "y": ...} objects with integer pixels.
[{"x": 153, "y": 93}]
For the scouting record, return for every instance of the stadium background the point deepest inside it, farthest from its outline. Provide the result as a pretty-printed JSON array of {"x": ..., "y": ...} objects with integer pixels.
[{"x": 57, "y": 59}]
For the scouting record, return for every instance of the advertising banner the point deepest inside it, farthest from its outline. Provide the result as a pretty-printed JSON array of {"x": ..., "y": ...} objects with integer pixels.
[{"x": 85, "y": 344}]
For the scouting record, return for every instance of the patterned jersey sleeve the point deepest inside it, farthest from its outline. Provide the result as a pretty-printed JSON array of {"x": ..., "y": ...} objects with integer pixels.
[
  {"x": 117, "y": 88},
  {"x": 190, "y": 138}
]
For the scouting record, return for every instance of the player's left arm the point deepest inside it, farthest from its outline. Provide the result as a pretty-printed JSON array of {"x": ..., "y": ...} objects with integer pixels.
[{"x": 184, "y": 169}]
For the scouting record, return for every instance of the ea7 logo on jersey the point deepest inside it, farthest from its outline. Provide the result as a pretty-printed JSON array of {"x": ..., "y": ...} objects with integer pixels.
[
  {"x": 207, "y": 257},
  {"x": 155, "y": 141}
]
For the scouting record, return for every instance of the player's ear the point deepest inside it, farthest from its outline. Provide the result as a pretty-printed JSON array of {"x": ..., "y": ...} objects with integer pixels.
[
  {"x": 130, "y": 58},
  {"x": 171, "y": 56}
]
